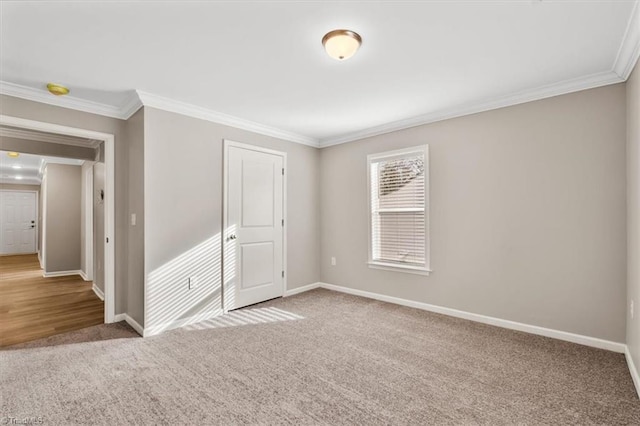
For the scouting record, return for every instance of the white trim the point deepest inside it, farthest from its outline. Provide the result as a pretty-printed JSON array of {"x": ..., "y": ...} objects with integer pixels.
[
  {"x": 409, "y": 269},
  {"x": 109, "y": 205},
  {"x": 562, "y": 88},
  {"x": 133, "y": 323},
  {"x": 40, "y": 259},
  {"x": 61, "y": 273},
  {"x": 629, "y": 49},
  {"x": 97, "y": 291},
  {"x": 178, "y": 107},
  {"x": 302, "y": 289},
  {"x": 83, "y": 275},
  {"x": 512, "y": 325},
  {"x": 633, "y": 370},
  {"x": 69, "y": 101},
  {"x": 130, "y": 106},
  {"x": 160, "y": 328},
  {"x": 87, "y": 179},
  {"x": 227, "y": 143}
]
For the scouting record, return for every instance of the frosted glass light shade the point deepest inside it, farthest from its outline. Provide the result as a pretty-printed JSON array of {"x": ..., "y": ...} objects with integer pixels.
[{"x": 341, "y": 44}]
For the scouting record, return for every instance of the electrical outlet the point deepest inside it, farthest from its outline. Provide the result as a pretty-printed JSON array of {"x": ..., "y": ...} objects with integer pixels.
[
  {"x": 631, "y": 308},
  {"x": 133, "y": 219},
  {"x": 193, "y": 282},
  {"x": 333, "y": 261}
]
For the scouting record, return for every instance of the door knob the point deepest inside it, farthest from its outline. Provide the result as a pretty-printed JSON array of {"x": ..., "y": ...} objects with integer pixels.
[{"x": 232, "y": 237}]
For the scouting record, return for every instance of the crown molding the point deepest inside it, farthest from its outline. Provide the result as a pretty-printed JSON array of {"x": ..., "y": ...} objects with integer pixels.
[
  {"x": 131, "y": 105},
  {"x": 43, "y": 96},
  {"x": 562, "y": 88},
  {"x": 178, "y": 107},
  {"x": 139, "y": 99},
  {"x": 630, "y": 47}
]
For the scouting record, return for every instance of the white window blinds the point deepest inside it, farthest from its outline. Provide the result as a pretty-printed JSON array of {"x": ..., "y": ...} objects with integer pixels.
[{"x": 398, "y": 208}]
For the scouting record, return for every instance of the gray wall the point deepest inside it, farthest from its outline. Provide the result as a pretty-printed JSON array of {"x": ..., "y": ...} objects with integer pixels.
[
  {"x": 98, "y": 225},
  {"x": 183, "y": 160},
  {"x": 47, "y": 113},
  {"x": 135, "y": 138},
  {"x": 527, "y": 214},
  {"x": 633, "y": 214},
  {"x": 63, "y": 185},
  {"x": 45, "y": 148}
]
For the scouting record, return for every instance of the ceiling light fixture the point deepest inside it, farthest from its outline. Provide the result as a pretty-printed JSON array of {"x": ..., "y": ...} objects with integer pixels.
[
  {"x": 13, "y": 154},
  {"x": 16, "y": 166},
  {"x": 341, "y": 44},
  {"x": 57, "y": 89},
  {"x": 18, "y": 177}
]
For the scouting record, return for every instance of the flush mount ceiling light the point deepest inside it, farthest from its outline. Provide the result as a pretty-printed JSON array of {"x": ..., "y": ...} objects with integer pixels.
[
  {"x": 57, "y": 89},
  {"x": 341, "y": 44},
  {"x": 13, "y": 154},
  {"x": 16, "y": 166}
]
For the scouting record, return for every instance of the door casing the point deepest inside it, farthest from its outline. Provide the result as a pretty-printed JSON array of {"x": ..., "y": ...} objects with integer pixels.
[
  {"x": 225, "y": 194},
  {"x": 109, "y": 206}
]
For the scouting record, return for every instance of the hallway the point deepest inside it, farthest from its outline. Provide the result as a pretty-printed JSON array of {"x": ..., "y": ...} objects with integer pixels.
[{"x": 33, "y": 307}]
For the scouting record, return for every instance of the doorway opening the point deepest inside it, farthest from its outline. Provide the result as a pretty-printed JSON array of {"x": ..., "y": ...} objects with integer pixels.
[{"x": 69, "y": 244}]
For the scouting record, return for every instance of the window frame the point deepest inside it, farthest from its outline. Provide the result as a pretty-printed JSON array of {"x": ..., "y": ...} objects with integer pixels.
[{"x": 391, "y": 266}]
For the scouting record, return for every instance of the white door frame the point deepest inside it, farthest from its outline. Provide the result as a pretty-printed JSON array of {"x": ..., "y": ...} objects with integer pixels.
[
  {"x": 37, "y": 227},
  {"x": 109, "y": 202},
  {"x": 225, "y": 193},
  {"x": 89, "y": 196}
]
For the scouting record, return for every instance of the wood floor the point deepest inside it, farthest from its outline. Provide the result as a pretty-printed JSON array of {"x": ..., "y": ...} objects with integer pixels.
[{"x": 32, "y": 307}]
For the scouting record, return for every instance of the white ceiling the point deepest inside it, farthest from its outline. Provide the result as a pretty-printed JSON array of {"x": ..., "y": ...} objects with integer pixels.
[
  {"x": 27, "y": 168},
  {"x": 263, "y": 61}
]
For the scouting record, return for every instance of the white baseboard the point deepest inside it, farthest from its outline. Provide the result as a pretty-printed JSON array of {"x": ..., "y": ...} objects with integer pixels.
[
  {"x": 633, "y": 370},
  {"x": 133, "y": 323},
  {"x": 98, "y": 292},
  {"x": 40, "y": 259},
  {"x": 61, "y": 273},
  {"x": 84, "y": 276},
  {"x": 301, "y": 289},
  {"x": 512, "y": 325},
  {"x": 170, "y": 325}
]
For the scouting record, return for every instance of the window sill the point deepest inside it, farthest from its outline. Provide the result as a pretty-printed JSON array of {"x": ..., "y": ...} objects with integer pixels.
[{"x": 399, "y": 268}]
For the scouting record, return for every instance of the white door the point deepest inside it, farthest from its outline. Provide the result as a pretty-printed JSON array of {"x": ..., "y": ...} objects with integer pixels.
[
  {"x": 17, "y": 222},
  {"x": 254, "y": 225}
]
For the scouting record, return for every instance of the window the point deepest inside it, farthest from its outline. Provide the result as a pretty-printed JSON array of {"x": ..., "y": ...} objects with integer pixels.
[{"x": 398, "y": 208}]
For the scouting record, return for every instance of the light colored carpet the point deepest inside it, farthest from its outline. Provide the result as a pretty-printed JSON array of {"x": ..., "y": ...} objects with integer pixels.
[{"x": 317, "y": 358}]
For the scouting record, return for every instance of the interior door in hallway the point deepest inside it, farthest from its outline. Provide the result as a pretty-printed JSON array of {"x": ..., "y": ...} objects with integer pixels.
[
  {"x": 254, "y": 227},
  {"x": 17, "y": 222}
]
